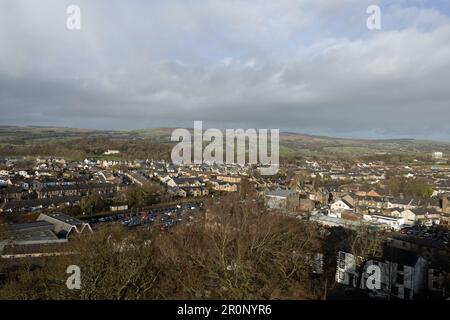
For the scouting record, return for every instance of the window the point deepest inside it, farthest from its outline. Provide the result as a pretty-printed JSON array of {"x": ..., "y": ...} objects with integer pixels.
[
  {"x": 435, "y": 285},
  {"x": 341, "y": 260},
  {"x": 341, "y": 275},
  {"x": 400, "y": 278},
  {"x": 400, "y": 267},
  {"x": 395, "y": 290},
  {"x": 406, "y": 293}
]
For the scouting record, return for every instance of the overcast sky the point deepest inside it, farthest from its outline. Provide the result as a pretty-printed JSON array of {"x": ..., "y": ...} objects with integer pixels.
[{"x": 305, "y": 66}]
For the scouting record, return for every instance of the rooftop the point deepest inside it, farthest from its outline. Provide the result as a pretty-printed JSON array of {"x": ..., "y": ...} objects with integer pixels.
[
  {"x": 65, "y": 218},
  {"x": 280, "y": 193}
]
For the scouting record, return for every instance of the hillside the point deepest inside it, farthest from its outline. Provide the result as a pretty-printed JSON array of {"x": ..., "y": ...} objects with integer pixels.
[{"x": 32, "y": 140}]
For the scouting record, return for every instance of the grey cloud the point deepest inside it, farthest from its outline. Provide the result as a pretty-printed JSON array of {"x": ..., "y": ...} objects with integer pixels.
[{"x": 229, "y": 63}]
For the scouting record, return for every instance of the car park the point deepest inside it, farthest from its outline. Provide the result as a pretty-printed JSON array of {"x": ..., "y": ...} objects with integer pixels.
[{"x": 126, "y": 221}]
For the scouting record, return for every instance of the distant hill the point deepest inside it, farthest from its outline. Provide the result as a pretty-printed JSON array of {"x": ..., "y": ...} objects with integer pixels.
[{"x": 291, "y": 144}]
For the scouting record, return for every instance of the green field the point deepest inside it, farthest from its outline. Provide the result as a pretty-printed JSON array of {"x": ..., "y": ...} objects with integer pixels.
[{"x": 154, "y": 143}]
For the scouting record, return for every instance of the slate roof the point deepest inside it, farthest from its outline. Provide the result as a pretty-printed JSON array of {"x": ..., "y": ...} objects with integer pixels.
[{"x": 280, "y": 193}]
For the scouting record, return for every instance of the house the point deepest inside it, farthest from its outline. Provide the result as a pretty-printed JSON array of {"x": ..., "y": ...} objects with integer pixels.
[
  {"x": 401, "y": 202},
  {"x": 402, "y": 274},
  {"x": 392, "y": 222},
  {"x": 188, "y": 182},
  {"x": 178, "y": 192},
  {"x": 10, "y": 193},
  {"x": 171, "y": 168},
  {"x": 33, "y": 204},
  {"x": 167, "y": 180},
  {"x": 23, "y": 173},
  {"x": 4, "y": 173},
  {"x": 438, "y": 279},
  {"x": 106, "y": 176},
  {"x": 118, "y": 208},
  {"x": 5, "y": 183},
  {"x": 111, "y": 152},
  {"x": 372, "y": 202},
  {"x": 445, "y": 204},
  {"x": 408, "y": 216},
  {"x": 137, "y": 178},
  {"x": 44, "y": 173},
  {"x": 427, "y": 217},
  {"x": 230, "y": 179},
  {"x": 218, "y": 185},
  {"x": 196, "y": 191},
  {"x": 82, "y": 189},
  {"x": 369, "y": 193},
  {"x": 341, "y": 205},
  {"x": 346, "y": 269},
  {"x": 306, "y": 204},
  {"x": 282, "y": 199},
  {"x": 349, "y": 200}
]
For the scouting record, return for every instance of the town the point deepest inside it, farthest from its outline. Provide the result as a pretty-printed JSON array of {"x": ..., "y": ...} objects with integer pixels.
[
  {"x": 49, "y": 201},
  {"x": 225, "y": 158}
]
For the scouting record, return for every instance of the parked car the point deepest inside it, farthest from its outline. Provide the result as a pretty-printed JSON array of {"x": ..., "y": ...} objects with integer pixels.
[{"x": 126, "y": 221}]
